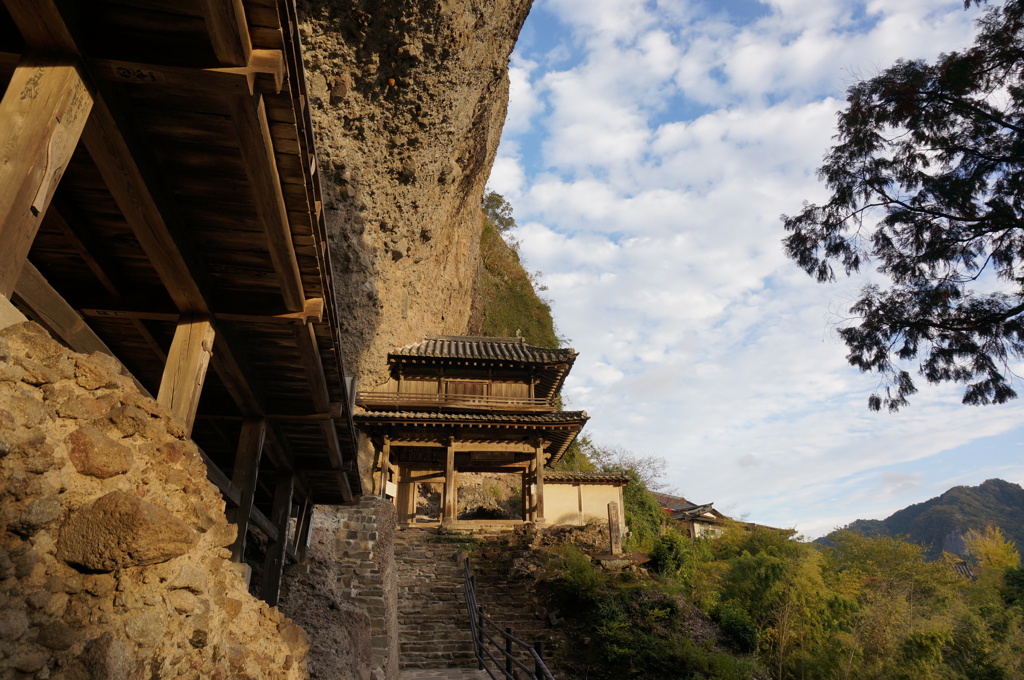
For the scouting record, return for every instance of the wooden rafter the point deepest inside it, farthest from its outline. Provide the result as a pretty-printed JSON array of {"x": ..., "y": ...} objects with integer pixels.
[
  {"x": 255, "y": 143},
  {"x": 229, "y": 32}
]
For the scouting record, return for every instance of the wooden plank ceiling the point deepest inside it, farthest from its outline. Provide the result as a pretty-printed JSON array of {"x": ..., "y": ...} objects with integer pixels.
[{"x": 193, "y": 195}]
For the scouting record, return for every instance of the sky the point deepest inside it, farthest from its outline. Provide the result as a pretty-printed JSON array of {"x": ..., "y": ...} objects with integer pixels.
[{"x": 649, "y": 151}]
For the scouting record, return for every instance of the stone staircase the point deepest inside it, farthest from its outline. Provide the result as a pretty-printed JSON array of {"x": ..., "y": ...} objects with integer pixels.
[{"x": 433, "y": 624}]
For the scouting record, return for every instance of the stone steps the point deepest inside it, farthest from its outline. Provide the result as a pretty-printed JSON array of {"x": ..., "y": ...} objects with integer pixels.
[{"x": 433, "y": 622}]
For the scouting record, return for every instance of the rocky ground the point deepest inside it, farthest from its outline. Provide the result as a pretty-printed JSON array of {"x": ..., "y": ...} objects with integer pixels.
[{"x": 113, "y": 547}]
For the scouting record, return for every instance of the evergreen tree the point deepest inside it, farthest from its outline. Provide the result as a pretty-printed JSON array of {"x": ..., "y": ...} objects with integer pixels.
[{"x": 927, "y": 181}]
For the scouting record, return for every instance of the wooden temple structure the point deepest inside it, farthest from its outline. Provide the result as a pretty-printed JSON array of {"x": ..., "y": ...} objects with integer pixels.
[
  {"x": 160, "y": 202},
  {"x": 468, "y": 404}
]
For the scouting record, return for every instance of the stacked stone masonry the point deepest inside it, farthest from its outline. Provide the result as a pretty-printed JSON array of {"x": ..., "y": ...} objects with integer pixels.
[
  {"x": 352, "y": 569},
  {"x": 113, "y": 547},
  {"x": 434, "y": 628}
]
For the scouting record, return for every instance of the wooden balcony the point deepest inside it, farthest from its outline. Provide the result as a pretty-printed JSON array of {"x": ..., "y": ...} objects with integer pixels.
[{"x": 461, "y": 402}]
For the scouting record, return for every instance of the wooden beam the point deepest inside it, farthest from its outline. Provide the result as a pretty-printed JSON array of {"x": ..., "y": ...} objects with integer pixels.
[
  {"x": 273, "y": 564},
  {"x": 261, "y": 522},
  {"x": 185, "y": 370},
  {"x": 42, "y": 114},
  {"x": 35, "y": 292},
  {"x": 41, "y": 25},
  {"x": 256, "y": 145},
  {"x": 229, "y": 32},
  {"x": 144, "y": 207},
  {"x": 309, "y": 353},
  {"x": 90, "y": 250},
  {"x": 221, "y": 481},
  {"x": 313, "y": 310},
  {"x": 243, "y": 476},
  {"x": 240, "y": 80}
]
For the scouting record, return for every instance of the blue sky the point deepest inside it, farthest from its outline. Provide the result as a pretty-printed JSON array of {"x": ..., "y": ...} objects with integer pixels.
[{"x": 649, "y": 150}]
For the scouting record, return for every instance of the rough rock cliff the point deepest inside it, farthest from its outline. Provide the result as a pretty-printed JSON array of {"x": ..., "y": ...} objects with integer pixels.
[
  {"x": 408, "y": 98},
  {"x": 113, "y": 562}
]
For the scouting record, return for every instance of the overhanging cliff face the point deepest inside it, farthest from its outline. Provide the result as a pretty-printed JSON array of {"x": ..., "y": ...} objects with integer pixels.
[{"x": 408, "y": 98}]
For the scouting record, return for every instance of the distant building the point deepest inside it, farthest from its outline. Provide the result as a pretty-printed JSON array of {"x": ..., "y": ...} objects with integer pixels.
[
  {"x": 701, "y": 520},
  {"x": 458, "y": 404}
]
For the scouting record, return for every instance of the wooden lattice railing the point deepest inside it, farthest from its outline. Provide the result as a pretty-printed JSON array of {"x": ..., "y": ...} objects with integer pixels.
[{"x": 391, "y": 399}]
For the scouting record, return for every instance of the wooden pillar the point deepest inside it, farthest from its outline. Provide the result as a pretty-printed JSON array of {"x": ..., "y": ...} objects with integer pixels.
[
  {"x": 273, "y": 563},
  {"x": 42, "y": 114},
  {"x": 185, "y": 370},
  {"x": 539, "y": 481},
  {"x": 527, "y": 507},
  {"x": 243, "y": 476},
  {"x": 451, "y": 497},
  {"x": 385, "y": 463},
  {"x": 303, "y": 530}
]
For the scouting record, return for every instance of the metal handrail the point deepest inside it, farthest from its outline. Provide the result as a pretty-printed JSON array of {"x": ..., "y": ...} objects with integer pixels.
[{"x": 478, "y": 623}]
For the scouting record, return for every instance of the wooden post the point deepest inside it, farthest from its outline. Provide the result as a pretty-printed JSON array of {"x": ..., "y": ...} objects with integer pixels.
[
  {"x": 538, "y": 672},
  {"x": 385, "y": 461},
  {"x": 303, "y": 526},
  {"x": 185, "y": 369},
  {"x": 526, "y": 495},
  {"x": 42, "y": 114},
  {"x": 539, "y": 519},
  {"x": 614, "y": 528},
  {"x": 273, "y": 564},
  {"x": 451, "y": 499},
  {"x": 243, "y": 476}
]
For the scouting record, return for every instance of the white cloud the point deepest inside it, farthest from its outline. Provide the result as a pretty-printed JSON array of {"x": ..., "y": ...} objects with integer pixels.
[{"x": 648, "y": 189}]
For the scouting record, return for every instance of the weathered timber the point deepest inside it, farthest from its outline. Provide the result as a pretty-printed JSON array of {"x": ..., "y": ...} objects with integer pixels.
[
  {"x": 185, "y": 369},
  {"x": 42, "y": 115},
  {"x": 247, "y": 464}
]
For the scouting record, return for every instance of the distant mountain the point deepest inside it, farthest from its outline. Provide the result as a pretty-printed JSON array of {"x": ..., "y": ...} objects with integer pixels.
[{"x": 941, "y": 523}]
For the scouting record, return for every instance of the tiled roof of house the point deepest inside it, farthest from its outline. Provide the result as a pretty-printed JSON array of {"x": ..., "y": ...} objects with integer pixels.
[
  {"x": 586, "y": 477},
  {"x": 481, "y": 348}
]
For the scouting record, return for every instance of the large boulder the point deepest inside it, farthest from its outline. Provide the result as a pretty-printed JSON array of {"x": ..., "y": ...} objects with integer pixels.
[{"x": 121, "y": 530}]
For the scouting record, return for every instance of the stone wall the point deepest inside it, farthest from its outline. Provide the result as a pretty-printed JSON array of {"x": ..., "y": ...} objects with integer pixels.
[
  {"x": 113, "y": 544},
  {"x": 352, "y": 568}
]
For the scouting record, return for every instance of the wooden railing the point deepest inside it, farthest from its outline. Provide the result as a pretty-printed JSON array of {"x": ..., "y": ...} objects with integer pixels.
[
  {"x": 370, "y": 399},
  {"x": 509, "y": 667}
]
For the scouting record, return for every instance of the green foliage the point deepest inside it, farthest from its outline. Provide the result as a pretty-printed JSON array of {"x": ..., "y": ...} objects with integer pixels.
[
  {"x": 509, "y": 303},
  {"x": 498, "y": 211},
  {"x": 870, "y": 608},
  {"x": 639, "y": 632},
  {"x": 576, "y": 457},
  {"x": 644, "y": 516},
  {"x": 927, "y": 181}
]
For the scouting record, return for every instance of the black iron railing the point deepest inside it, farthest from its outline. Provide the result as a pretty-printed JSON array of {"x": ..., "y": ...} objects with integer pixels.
[{"x": 507, "y": 645}]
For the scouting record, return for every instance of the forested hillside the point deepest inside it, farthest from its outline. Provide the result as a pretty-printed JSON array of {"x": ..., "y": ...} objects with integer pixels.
[
  {"x": 506, "y": 300},
  {"x": 940, "y": 524}
]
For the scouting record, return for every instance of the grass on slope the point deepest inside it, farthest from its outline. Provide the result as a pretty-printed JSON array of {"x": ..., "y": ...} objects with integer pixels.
[{"x": 510, "y": 303}]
